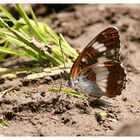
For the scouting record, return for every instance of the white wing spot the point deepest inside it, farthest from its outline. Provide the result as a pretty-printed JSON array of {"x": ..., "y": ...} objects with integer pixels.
[
  {"x": 102, "y": 84},
  {"x": 104, "y": 81},
  {"x": 98, "y": 46},
  {"x": 83, "y": 60},
  {"x": 103, "y": 89},
  {"x": 99, "y": 67},
  {"x": 102, "y": 73},
  {"x": 101, "y": 77},
  {"x": 112, "y": 51},
  {"x": 102, "y": 59},
  {"x": 95, "y": 44},
  {"x": 119, "y": 82},
  {"x": 102, "y": 49}
]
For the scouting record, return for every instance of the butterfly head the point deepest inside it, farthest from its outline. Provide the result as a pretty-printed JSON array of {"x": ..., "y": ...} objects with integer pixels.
[{"x": 73, "y": 83}]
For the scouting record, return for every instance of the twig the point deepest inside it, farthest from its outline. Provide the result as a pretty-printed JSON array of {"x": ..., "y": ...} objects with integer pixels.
[{"x": 2, "y": 93}]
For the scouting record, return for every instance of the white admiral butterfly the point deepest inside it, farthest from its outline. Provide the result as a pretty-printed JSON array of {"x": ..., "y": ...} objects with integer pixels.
[{"x": 98, "y": 71}]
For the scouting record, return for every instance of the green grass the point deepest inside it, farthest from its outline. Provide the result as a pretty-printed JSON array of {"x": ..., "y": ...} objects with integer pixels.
[
  {"x": 33, "y": 39},
  {"x": 69, "y": 91},
  {"x": 3, "y": 123}
]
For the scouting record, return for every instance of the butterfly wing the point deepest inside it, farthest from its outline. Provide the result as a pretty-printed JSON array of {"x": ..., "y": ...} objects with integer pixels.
[
  {"x": 109, "y": 77},
  {"x": 106, "y": 43},
  {"x": 100, "y": 62}
]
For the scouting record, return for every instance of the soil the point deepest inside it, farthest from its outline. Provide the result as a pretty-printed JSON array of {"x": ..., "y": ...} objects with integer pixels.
[{"x": 32, "y": 110}]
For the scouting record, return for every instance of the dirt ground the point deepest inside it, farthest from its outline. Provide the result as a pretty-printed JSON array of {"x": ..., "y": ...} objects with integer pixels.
[{"x": 32, "y": 110}]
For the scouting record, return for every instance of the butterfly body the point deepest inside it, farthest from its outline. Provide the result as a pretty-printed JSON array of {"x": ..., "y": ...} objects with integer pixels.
[
  {"x": 98, "y": 70},
  {"x": 83, "y": 85}
]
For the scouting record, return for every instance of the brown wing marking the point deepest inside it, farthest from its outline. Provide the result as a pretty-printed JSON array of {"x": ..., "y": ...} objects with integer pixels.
[{"x": 116, "y": 79}]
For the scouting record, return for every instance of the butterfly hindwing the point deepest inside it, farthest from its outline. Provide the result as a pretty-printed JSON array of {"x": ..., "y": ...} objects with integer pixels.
[
  {"x": 116, "y": 79},
  {"x": 109, "y": 77}
]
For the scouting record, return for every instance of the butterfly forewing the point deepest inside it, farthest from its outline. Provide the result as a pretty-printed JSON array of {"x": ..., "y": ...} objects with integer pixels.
[
  {"x": 104, "y": 46},
  {"x": 99, "y": 62}
]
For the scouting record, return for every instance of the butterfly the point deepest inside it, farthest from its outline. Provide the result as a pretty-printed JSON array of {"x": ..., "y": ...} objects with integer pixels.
[{"x": 98, "y": 71}]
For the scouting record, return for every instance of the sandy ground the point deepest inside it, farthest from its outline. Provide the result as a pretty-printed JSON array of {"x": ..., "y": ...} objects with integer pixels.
[{"x": 32, "y": 110}]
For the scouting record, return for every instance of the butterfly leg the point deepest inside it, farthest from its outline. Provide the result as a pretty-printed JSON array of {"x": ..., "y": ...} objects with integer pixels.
[{"x": 62, "y": 86}]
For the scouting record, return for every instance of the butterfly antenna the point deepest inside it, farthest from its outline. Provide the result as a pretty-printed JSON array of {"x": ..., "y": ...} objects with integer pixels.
[
  {"x": 62, "y": 52},
  {"x": 63, "y": 61}
]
